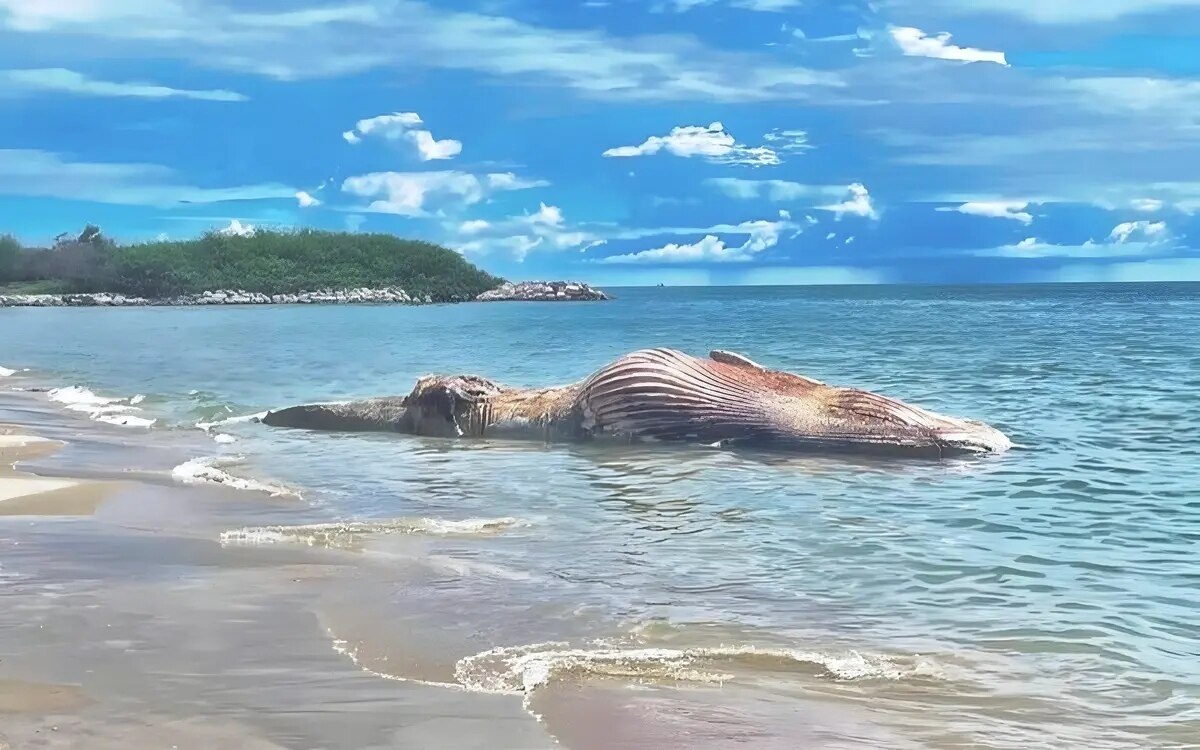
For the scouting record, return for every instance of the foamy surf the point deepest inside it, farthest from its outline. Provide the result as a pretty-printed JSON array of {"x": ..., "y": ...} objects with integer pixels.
[
  {"x": 350, "y": 534},
  {"x": 523, "y": 669},
  {"x": 206, "y": 426},
  {"x": 6, "y": 373},
  {"x": 110, "y": 410},
  {"x": 209, "y": 471}
]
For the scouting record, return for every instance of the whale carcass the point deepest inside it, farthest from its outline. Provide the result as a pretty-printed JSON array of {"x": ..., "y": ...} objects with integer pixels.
[{"x": 664, "y": 395}]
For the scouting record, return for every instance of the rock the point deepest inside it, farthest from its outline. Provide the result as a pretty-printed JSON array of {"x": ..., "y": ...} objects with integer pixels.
[
  {"x": 543, "y": 291},
  {"x": 362, "y": 295}
]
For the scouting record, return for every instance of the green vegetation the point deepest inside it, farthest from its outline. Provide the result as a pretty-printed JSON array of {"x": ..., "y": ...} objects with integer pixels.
[{"x": 265, "y": 262}]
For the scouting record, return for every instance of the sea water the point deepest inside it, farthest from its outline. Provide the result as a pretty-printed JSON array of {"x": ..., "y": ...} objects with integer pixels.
[{"x": 1047, "y": 597}]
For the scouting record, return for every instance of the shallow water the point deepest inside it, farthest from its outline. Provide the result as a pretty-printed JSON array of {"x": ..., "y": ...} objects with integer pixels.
[{"x": 698, "y": 598}]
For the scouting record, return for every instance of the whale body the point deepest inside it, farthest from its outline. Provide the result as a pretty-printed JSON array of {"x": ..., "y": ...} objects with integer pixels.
[{"x": 663, "y": 395}]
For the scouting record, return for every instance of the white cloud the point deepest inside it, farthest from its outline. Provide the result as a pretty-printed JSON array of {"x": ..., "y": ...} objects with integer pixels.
[
  {"x": 410, "y": 35},
  {"x": 849, "y": 241},
  {"x": 1129, "y": 239},
  {"x": 1014, "y": 210},
  {"x": 769, "y": 6},
  {"x": 406, "y": 193},
  {"x": 546, "y": 228},
  {"x": 760, "y": 235},
  {"x": 915, "y": 43},
  {"x": 65, "y": 81},
  {"x": 306, "y": 201},
  {"x": 404, "y": 126},
  {"x": 1066, "y": 11},
  {"x": 48, "y": 175},
  {"x": 509, "y": 181},
  {"x": 550, "y": 216},
  {"x": 778, "y": 191},
  {"x": 1148, "y": 230},
  {"x": 830, "y": 236},
  {"x": 1136, "y": 95},
  {"x": 788, "y": 141},
  {"x": 474, "y": 226},
  {"x": 237, "y": 229},
  {"x": 1146, "y": 205},
  {"x": 713, "y": 143},
  {"x": 857, "y": 204},
  {"x": 708, "y": 249}
]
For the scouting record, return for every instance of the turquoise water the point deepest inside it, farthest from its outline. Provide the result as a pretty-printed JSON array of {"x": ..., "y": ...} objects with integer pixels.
[{"x": 1045, "y": 597}]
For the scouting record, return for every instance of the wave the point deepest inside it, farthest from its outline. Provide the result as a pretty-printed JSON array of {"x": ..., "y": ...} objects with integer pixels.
[
  {"x": 6, "y": 373},
  {"x": 208, "y": 471},
  {"x": 206, "y": 426},
  {"x": 110, "y": 410},
  {"x": 523, "y": 669},
  {"x": 223, "y": 438},
  {"x": 350, "y": 534}
]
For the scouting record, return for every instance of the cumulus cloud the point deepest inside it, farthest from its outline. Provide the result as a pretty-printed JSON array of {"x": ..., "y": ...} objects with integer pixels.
[
  {"x": 857, "y": 204},
  {"x": 1146, "y": 230},
  {"x": 62, "y": 80},
  {"x": 474, "y": 226},
  {"x": 406, "y": 193},
  {"x": 713, "y": 143},
  {"x": 1129, "y": 239},
  {"x": 916, "y": 43},
  {"x": 708, "y": 249},
  {"x": 546, "y": 229},
  {"x": 237, "y": 229},
  {"x": 404, "y": 126},
  {"x": 760, "y": 235},
  {"x": 306, "y": 200},
  {"x": 1014, "y": 210},
  {"x": 1146, "y": 205}
]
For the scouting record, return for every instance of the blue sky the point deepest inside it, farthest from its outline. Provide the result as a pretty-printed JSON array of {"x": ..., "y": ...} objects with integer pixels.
[{"x": 626, "y": 141}]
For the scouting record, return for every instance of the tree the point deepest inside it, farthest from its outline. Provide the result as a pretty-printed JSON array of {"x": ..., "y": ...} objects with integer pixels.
[{"x": 10, "y": 258}]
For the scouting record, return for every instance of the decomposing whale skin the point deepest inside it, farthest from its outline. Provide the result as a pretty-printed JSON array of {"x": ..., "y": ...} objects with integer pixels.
[{"x": 663, "y": 395}]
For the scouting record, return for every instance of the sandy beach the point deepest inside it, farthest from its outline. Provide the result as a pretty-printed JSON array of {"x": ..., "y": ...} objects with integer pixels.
[
  {"x": 23, "y": 494},
  {"x": 129, "y": 624}
]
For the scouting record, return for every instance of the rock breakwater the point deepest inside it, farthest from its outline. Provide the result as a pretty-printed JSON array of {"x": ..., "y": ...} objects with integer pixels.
[{"x": 543, "y": 291}]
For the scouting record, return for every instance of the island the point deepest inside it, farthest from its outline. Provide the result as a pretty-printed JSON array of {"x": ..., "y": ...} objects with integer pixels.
[{"x": 267, "y": 267}]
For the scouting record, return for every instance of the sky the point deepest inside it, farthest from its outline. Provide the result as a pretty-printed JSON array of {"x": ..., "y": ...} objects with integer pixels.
[{"x": 625, "y": 142}]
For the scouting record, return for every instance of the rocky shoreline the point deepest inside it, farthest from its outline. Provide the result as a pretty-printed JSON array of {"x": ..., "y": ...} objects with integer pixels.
[
  {"x": 543, "y": 291},
  {"x": 531, "y": 291}
]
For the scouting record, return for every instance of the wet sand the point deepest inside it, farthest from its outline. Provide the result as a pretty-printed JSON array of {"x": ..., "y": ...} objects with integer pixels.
[
  {"x": 129, "y": 624},
  {"x": 24, "y": 494}
]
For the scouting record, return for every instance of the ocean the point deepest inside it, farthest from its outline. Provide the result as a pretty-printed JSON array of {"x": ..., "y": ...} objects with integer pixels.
[{"x": 637, "y": 596}]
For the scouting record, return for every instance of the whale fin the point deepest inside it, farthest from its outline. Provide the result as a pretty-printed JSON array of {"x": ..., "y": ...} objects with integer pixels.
[{"x": 733, "y": 358}]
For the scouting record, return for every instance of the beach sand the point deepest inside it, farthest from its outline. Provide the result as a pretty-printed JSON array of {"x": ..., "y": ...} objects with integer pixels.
[
  {"x": 23, "y": 494},
  {"x": 127, "y": 623}
]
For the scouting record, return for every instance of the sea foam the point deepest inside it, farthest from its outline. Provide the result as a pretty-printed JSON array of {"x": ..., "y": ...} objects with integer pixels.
[
  {"x": 5, "y": 372},
  {"x": 523, "y": 669},
  {"x": 110, "y": 410},
  {"x": 208, "y": 471},
  {"x": 350, "y": 533},
  {"x": 206, "y": 426}
]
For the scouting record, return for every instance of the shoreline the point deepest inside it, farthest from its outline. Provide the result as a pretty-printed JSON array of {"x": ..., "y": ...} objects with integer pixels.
[
  {"x": 529, "y": 291},
  {"x": 27, "y": 493}
]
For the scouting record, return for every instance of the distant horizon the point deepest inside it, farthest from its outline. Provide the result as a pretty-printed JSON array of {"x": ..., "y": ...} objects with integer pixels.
[{"x": 894, "y": 283}]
